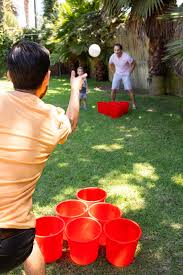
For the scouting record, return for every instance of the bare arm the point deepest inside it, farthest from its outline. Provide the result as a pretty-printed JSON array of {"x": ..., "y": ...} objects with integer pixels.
[
  {"x": 132, "y": 66},
  {"x": 73, "y": 107},
  {"x": 112, "y": 67},
  {"x": 87, "y": 88}
]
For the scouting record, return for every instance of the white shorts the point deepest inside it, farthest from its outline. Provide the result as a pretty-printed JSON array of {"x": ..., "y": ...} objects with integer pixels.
[{"x": 117, "y": 81}]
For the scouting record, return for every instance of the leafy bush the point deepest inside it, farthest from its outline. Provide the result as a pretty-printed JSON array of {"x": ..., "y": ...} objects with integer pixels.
[
  {"x": 5, "y": 44},
  {"x": 7, "y": 39},
  {"x": 32, "y": 35},
  {"x": 73, "y": 28}
]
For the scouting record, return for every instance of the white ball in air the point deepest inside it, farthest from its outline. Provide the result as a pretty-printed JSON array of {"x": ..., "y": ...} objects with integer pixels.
[{"x": 94, "y": 50}]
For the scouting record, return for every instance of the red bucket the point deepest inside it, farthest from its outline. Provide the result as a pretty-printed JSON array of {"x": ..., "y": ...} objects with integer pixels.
[
  {"x": 106, "y": 110},
  {"x": 124, "y": 106},
  {"x": 83, "y": 238},
  {"x": 71, "y": 209},
  {"x": 122, "y": 237},
  {"x": 91, "y": 195},
  {"x": 103, "y": 107},
  {"x": 104, "y": 212},
  {"x": 100, "y": 107},
  {"x": 115, "y": 110},
  {"x": 49, "y": 236}
]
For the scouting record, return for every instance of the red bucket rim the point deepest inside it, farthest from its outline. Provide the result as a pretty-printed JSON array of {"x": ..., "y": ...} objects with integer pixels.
[
  {"x": 104, "y": 203},
  {"x": 50, "y": 236},
  {"x": 85, "y": 218},
  {"x": 123, "y": 242},
  {"x": 71, "y": 200},
  {"x": 103, "y": 101},
  {"x": 105, "y": 194}
]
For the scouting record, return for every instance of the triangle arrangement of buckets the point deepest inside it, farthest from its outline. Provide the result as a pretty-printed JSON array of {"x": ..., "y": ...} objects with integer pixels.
[
  {"x": 86, "y": 223},
  {"x": 114, "y": 109}
]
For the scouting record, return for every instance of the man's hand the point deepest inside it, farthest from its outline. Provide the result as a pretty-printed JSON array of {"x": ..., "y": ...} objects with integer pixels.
[
  {"x": 112, "y": 68},
  {"x": 76, "y": 82},
  {"x": 132, "y": 66}
]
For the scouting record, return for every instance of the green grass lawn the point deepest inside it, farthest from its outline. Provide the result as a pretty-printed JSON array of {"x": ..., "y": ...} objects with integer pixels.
[{"x": 138, "y": 160}]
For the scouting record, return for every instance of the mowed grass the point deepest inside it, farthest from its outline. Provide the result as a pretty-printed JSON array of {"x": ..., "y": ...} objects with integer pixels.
[{"x": 138, "y": 160}]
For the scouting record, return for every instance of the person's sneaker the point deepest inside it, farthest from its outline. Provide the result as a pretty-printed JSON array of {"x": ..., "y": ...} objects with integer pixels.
[
  {"x": 85, "y": 108},
  {"x": 134, "y": 107}
]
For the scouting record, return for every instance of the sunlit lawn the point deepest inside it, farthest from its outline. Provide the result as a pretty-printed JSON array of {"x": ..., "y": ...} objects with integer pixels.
[{"x": 138, "y": 160}]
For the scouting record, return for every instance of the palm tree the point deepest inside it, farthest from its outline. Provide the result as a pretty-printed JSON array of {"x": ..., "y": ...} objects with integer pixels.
[
  {"x": 1, "y": 12},
  {"x": 35, "y": 14},
  {"x": 9, "y": 16},
  {"x": 26, "y": 10},
  {"x": 48, "y": 7},
  {"x": 144, "y": 16},
  {"x": 174, "y": 49},
  {"x": 78, "y": 25},
  {"x": 9, "y": 30}
]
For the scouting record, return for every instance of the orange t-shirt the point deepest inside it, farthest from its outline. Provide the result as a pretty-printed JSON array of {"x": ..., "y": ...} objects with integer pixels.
[{"x": 29, "y": 132}]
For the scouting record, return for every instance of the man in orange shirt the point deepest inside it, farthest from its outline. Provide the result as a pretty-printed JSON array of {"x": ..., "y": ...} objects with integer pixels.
[{"x": 29, "y": 132}]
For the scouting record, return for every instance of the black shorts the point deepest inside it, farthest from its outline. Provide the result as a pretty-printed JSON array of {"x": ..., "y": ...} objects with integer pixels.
[{"x": 15, "y": 246}]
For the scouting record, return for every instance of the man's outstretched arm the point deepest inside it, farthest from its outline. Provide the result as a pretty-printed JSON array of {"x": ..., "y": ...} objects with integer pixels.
[{"x": 73, "y": 107}]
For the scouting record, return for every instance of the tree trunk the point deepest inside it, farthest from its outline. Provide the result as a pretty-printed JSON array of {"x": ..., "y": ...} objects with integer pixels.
[
  {"x": 101, "y": 73},
  {"x": 1, "y": 13},
  {"x": 159, "y": 33},
  {"x": 26, "y": 10},
  {"x": 35, "y": 14},
  {"x": 157, "y": 85},
  {"x": 72, "y": 64},
  {"x": 156, "y": 52}
]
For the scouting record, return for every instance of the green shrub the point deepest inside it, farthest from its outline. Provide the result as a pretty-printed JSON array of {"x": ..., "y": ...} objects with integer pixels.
[{"x": 5, "y": 44}]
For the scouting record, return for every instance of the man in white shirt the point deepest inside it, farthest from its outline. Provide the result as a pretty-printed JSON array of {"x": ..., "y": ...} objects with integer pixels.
[{"x": 122, "y": 65}]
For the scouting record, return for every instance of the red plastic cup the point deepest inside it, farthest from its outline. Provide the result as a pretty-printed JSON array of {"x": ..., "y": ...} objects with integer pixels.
[
  {"x": 122, "y": 236},
  {"x": 71, "y": 209},
  {"x": 49, "y": 236},
  {"x": 91, "y": 195},
  {"x": 83, "y": 238},
  {"x": 104, "y": 212}
]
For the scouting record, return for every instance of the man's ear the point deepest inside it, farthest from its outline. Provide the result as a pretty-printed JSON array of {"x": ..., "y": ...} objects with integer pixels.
[
  {"x": 8, "y": 76},
  {"x": 40, "y": 92},
  {"x": 47, "y": 78}
]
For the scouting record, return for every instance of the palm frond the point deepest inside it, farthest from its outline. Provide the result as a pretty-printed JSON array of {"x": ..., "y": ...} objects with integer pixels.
[
  {"x": 174, "y": 49},
  {"x": 173, "y": 14},
  {"x": 146, "y": 8},
  {"x": 138, "y": 7},
  {"x": 115, "y": 8},
  {"x": 60, "y": 53},
  {"x": 78, "y": 49},
  {"x": 174, "y": 54}
]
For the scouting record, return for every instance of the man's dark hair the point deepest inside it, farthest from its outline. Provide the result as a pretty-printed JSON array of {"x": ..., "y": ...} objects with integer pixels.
[
  {"x": 28, "y": 63},
  {"x": 118, "y": 45}
]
